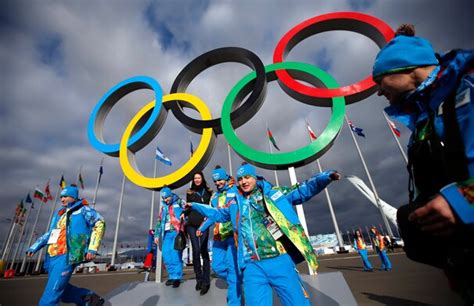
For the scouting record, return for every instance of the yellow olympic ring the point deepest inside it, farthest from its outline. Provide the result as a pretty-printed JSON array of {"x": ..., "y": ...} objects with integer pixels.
[{"x": 183, "y": 174}]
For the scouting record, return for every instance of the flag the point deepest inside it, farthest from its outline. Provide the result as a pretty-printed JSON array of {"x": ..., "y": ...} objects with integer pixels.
[
  {"x": 162, "y": 158},
  {"x": 28, "y": 199},
  {"x": 38, "y": 194},
  {"x": 394, "y": 128},
  {"x": 191, "y": 147},
  {"x": 356, "y": 129},
  {"x": 81, "y": 181},
  {"x": 62, "y": 182},
  {"x": 19, "y": 209},
  {"x": 312, "y": 134},
  {"x": 272, "y": 140},
  {"x": 48, "y": 193},
  {"x": 101, "y": 171}
]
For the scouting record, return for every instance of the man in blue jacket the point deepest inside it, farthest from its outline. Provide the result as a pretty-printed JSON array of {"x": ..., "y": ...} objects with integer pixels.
[
  {"x": 74, "y": 237},
  {"x": 224, "y": 251},
  {"x": 270, "y": 239},
  {"x": 432, "y": 95}
]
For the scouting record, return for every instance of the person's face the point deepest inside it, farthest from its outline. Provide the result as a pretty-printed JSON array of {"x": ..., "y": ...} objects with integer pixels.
[
  {"x": 66, "y": 200},
  {"x": 395, "y": 86},
  {"x": 247, "y": 183},
  {"x": 168, "y": 199},
  {"x": 197, "y": 179},
  {"x": 220, "y": 184}
]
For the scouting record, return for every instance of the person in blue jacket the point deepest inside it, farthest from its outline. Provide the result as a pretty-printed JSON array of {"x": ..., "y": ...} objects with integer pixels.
[
  {"x": 166, "y": 229},
  {"x": 432, "y": 95},
  {"x": 270, "y": 239},
  {"x": 73, "y": 237},
  {"x": 361, "y": 248},
  {"x": 224, "y": 251}
]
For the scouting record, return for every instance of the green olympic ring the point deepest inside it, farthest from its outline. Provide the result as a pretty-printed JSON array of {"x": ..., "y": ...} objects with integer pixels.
[{"x": 299, "y": 157}]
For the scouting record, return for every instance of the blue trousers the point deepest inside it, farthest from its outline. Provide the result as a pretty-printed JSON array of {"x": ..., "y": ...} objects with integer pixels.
[
  {"x": 203, "y": 274},
  {"x": 278, "y": 273},
  {"x": 365, "y": 260},
  {"x": 58, "y": 288},
  {"x": 172, "y": 258},
  {"x": 386, "y": 264},
  {"x": 224, "y": 264}
]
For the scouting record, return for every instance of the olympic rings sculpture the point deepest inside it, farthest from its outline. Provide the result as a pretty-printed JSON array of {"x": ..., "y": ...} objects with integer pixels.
[{"x": 324, "y": 91}]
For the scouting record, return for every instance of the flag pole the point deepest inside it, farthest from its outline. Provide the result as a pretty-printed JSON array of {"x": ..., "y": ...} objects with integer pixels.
[
  {"x": 158, "y": 265},
  {"x": 23, "y": 263},
  {"x": 328, "y": 198},
  {"x": 22, "y": 230},
  {"x": 8, "y": 233},
  {"x": 384, "y": 218},
  {"x": 396, "y": 138},
  {"x": 97, "y": 183},
  {"x": 53, "y": 208},
  {"x": 152, "y": 208},
  {"x": 117, "y": 226},
  {"x": 230, "y": 159},
  {"x": 271, "y": 152}
]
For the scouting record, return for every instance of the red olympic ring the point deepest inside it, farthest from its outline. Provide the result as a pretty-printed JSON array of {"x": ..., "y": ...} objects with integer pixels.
[{"x": 367, "y": 25}]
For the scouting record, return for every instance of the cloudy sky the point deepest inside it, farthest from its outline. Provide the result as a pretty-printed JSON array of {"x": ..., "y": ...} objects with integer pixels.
[{"x": 59, "y": 57}]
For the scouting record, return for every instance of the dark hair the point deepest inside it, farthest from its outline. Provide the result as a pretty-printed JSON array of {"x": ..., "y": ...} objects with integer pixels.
[
  {"x": 217, "y": 167},
  {"x": 406, "y": 29},
  {"x": 203, "y": 184},
  {"x": 244, "y": 163}
]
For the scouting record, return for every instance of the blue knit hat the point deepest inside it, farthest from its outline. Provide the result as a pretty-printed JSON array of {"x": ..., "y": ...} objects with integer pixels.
[
  {"x": 246, "y": 169},
  {"x": 70, "y": 191},
  {"x": 403, "y": 53},
  {"x": 166, "y": 192},
  {"x": 219, "y": 174}
]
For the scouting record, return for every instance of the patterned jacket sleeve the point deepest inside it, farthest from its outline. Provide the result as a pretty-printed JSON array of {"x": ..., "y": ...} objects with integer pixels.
[
  {"x": 158, "y": 223},
  {"x": 220, "y": 215},
  {"x": 43, "y": 240},
  {"x": 208, "y": 222},
  {"x": 301, "y": 193},
  {"x": 96, "y": 221}
]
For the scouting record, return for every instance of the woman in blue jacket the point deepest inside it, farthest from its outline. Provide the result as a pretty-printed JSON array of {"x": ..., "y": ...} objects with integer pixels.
[{"x": 166, "y": 229}]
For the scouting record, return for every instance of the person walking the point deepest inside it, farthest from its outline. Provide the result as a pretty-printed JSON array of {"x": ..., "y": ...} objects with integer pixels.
[
  {"x": 74, "y": 237},
  {"x": 361, "y": 248},
  {"x": 166, "y": 229},
  {"x": 199, "y": 193},
  {"x": 224, "y": 251}
]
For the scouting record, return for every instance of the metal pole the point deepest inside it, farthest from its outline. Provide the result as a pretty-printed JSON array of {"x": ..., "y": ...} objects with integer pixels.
[
  {"x": 152, "y": 208},
  {"x": 276, "y": 175},
  {"x": 331, "y": 211},
  {"x": 396, "y": 138},
  {"x": 300, "y": 211},
  {"x": 31, "y": 236},
  {"x": 387, "y": 225},
  {"x": 97, "y": 184},
  {"x": 230, "y": 159},
  {"x": 53, "y": 208},
  {"x": 10, "y": 233},
  {"x": 22, "y": 230},
  {"x": 114, "y": 249}
]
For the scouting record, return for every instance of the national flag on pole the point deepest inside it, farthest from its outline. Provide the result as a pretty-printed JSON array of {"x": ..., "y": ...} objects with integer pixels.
[
  {"x": 356, "y": 129},
  {"x": 62, "y": 182},
  {"x": 162, "y": 158},
  {"x": 48, "y": 193},
  {"x": 191, "y": 147},
  {"x": 394, "y": 128},
  {"x": 272, "y": 140},
  {"x": 81, "y": 181},
  {"x": 312, "y": 134},
  {"x": 38, "y": 194},
  {"x": 101, "y": 171}
]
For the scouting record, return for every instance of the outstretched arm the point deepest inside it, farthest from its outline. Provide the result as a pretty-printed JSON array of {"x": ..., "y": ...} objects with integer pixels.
[{"x": 300, "y": 193}]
